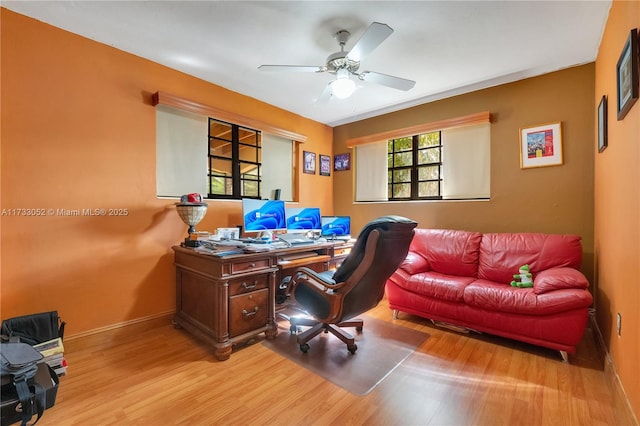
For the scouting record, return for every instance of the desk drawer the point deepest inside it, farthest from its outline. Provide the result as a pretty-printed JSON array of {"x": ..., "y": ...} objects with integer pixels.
[
  {"x": 248, "y": 284},
  {"x": 247, "y": 312},
  {"x": 250, "y": 265}
]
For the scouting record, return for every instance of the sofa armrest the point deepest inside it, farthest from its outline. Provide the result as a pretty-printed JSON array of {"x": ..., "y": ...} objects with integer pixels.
[
  {"x": 558, "y": 278},
  {"x": 414, "y": 263}
]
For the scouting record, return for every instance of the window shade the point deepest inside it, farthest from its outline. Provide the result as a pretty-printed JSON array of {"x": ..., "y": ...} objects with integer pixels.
[
  {"x": 277, "y": 171},
  {"x": 181, "y": 152},
  {"x": 371, "y": 172},
  {"x": 466, "y": 154}
]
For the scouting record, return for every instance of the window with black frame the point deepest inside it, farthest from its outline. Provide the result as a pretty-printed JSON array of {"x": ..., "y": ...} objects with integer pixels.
[
  {"x": 414, "y": 165},
  {"x": 220, "y": 159},
  {"x": 235, "y": 154},
  {"x": 445, "y": 160}
]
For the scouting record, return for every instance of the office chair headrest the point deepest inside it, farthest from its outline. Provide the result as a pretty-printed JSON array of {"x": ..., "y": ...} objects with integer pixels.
[{"x": 398, "y": 224}]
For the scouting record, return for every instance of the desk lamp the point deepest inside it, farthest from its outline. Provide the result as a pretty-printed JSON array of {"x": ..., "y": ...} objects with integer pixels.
[{"x": 191, "y": 210}]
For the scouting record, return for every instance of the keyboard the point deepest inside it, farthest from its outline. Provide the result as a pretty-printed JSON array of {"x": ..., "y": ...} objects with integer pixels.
[
  {"x": 337, "y": 237},
  {"x": 295, "y": 239},
  {"x": 253, "y": 241}
]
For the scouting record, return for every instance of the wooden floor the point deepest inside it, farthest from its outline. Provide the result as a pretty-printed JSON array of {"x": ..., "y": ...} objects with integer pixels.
[{"x": 153, "y": 374}]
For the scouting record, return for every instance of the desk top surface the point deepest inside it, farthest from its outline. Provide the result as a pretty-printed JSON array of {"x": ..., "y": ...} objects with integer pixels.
[{"x": 277, "y": 249}]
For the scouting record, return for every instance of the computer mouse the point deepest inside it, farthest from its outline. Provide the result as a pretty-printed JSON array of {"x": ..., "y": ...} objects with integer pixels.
[{"x": 321, "y": 240}]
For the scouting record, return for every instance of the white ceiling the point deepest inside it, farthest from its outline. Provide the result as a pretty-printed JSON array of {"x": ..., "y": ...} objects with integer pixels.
[{"x": 447, "y": 47}]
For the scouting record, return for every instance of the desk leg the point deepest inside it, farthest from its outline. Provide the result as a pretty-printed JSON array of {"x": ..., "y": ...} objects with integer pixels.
[
  {"x": 222, "y": 351},
  {"x": 272, "y": 326}
]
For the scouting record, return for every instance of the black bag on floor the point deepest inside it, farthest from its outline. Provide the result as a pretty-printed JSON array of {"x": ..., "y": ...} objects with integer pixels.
[
  {"x": 33, "y": 329},
  {"x": 18, "y": 367}
]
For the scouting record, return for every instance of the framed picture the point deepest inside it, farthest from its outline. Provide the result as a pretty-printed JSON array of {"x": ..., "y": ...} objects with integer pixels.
[
  {"x": 602, "y": 124},
  {"x": 627, "y": 74},
  {"x": 342, "y": 162},
  {"x": 325, "y": 165},
  {"x": 541, "y": 146},
  {"x": 309, "y": 159}
]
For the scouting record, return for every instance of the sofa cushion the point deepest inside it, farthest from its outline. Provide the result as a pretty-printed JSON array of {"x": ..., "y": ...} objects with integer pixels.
[
  {"x": 450, "y": 252},
  {"x": 502, "y": 254},
  {"x": 414, "y": 263},
  {"x": 437, "y": 285},
  {"x": 493, "y": 296}
]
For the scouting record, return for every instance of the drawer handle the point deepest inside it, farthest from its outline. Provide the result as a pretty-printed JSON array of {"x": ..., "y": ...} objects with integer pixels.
[
  {"x": 250, "y": 286},
  {"x": 249, "y": 314},
  {"x": 252, "y": 265}
]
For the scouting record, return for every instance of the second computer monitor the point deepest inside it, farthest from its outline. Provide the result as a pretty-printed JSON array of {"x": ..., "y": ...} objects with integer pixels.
[
  {"x": 336, "y": 226},
  {"x": 304, "y": 219}
]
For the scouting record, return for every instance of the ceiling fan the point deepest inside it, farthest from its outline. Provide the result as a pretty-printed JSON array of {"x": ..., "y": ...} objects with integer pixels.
[{"x": 347, "y": 64}]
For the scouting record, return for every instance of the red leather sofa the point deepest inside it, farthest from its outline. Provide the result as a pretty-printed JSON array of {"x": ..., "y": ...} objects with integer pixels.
[{"x": 464, "y": 278}]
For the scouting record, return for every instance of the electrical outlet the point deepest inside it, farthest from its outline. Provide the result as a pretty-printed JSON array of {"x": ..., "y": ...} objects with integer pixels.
[{"x": 619, "y": 323}]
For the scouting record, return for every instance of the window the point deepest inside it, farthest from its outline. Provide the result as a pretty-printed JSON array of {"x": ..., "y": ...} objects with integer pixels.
[
  {"x": 219, "y": 159},
  {"x": 235, "y": 154},
  {"x": 414, "y": 167},
  {"x": 447, "y": 164}
]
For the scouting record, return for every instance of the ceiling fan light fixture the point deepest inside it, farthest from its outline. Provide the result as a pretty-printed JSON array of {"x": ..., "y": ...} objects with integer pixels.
[{"x": 343, "y": 86}]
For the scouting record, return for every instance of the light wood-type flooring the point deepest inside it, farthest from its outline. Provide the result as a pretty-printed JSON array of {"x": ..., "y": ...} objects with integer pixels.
[{"x": 153, "y": 374}]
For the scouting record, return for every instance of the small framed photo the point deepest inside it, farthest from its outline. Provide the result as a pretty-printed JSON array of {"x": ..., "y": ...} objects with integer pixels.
[
  {"x": 325, "y": 165},
  {"x": 309, "y": 160},
  {"x": 342, "y": 162},
  {"x": 627, "y": 75},
  {"x": 541, "y": 146},
  {"x": 602, "y": 124}
]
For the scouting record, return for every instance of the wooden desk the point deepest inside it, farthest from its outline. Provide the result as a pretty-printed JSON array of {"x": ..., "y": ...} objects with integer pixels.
[{"x": 228, "y": 299}]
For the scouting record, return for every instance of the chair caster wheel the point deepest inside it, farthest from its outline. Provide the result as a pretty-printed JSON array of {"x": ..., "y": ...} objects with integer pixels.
[
  {"x": 352, "y": 348},
  {"x": 293, "y": 329},
  {"x": 359, "y": 328},
  {"x": 305, "y": 347}
]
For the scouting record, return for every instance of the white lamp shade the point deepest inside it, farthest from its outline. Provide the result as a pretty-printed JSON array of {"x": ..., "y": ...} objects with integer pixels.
[
  {"x": 343, "y": 86},
  {"x": 192, "y": 214}
]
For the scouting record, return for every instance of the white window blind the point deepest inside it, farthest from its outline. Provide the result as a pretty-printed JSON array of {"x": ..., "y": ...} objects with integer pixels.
[
  {"x": 371, "y": 172},
  {"x": 466, "y": 154},
  {"x": 277, "y": 170},
  {"x": 181, "y": 152}
]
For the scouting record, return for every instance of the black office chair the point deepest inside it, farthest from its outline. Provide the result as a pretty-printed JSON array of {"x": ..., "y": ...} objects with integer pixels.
[{"x": 333, "y": 300}]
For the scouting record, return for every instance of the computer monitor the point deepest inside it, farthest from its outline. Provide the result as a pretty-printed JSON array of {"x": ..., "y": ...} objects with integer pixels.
[
  {"x": 263, "y": 215},
  {"x": 301, "y": 220},
  {"x": 336, "y": 226}
]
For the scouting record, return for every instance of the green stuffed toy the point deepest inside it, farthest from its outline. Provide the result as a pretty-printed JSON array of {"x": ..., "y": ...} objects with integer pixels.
[{"x": 523, "y": 278}]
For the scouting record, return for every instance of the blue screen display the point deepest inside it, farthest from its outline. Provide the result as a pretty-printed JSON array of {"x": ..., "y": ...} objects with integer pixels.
[
  {"x": 263, "y": 215},
  {"x": 336, "y": 226},
  {"x": 303, "y": 219}
]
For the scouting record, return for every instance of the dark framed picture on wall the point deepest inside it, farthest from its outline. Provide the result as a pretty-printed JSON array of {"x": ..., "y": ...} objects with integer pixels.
[
  {"x": 309, "y": 160},
  {"x": 341, "y": 162},
  {"x": 602, "y": 124},
  {"x": 325, "y": 165},
  {"x": 627, "y": 75}
]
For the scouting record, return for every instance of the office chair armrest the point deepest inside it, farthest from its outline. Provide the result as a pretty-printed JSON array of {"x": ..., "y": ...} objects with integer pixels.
[
  {"x": 321, "y": 280},
  {"x": 318, "y": 290}
]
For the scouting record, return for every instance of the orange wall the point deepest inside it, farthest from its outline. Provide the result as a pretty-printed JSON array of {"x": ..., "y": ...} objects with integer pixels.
[
  {"x": 617, "y": 210},
  {"x": 556, "y": 199},
  {"x": 78, "y": 132}
]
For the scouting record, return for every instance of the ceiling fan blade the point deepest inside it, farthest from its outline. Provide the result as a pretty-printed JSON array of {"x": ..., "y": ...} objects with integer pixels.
[
  {"x": 387, "y": 80},
  {"x": 372, "y": 37},
  {"x": 291, "y": 68}
]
